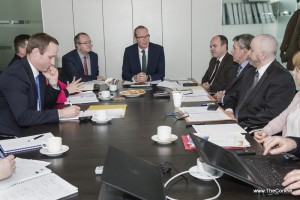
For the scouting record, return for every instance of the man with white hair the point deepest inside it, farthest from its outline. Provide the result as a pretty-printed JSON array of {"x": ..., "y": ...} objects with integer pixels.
[{"x": 266, "y": 90}]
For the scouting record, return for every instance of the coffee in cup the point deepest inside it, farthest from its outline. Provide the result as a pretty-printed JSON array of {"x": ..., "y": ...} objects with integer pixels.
[
  {"x": 164, "y": 133},
  {"x": 100, "y": 115},
  {"x": 53, "y": 144}
]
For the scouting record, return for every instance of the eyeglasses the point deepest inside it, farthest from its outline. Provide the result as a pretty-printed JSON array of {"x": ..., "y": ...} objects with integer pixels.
[
  {"x": 88, "y": 42},
  {"x": 177, "y": 115},
  {"x": 143, "y": 37}
]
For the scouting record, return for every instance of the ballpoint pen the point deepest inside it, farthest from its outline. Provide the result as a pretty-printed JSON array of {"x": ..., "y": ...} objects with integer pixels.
[
  {"x": 207, "y": 104},
  {"x": 37, "y": 137}
]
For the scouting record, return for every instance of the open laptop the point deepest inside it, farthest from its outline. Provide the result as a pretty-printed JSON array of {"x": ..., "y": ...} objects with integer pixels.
[
  {"x": 133, "y": 176},
  {"x": 264, "y": 172}
]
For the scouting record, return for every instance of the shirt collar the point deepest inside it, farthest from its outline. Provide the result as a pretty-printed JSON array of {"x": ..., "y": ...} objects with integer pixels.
[
  {"x": 82, "y": 55},
  {"x": 140, "y": 50},
  {"x": 220, "y": 59},
  {"x": 33, "y": 69},
  {"x": 243, "y": 64},
  {"x": 262, "y": 69}
]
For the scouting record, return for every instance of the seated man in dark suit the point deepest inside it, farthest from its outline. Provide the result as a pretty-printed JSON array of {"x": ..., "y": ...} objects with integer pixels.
[
  {"x": 24, "y": 94},
  {"x": 81, "y": 62},
  {"x": 221, "y": 68},
  {"x": 143, "y": 61},
  {"x": 266, "y": 89},
  {"x": 241, "y": 46},
  {"x": 20, "y": 43}
]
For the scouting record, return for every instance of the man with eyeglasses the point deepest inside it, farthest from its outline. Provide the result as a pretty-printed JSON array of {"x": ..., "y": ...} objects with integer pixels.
[
  {"x": 143, "y": 61},
  {"x": 81, "y": 62}
]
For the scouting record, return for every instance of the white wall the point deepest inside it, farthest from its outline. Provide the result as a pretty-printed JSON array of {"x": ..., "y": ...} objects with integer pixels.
[{"x": 183, "y": 27}]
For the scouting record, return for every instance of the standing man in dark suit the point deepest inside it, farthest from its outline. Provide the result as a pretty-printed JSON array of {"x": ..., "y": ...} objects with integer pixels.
[
  {"x": 81, "y": 62},
  {"x": 241, "y": 46},
  {"x": 143, "y": 61},
  {"x": 221, "y": 68},
  {"x": 20, "y": 43},
  {"x": 24, "y": 94},
  {"x": 267, "y": 88}
]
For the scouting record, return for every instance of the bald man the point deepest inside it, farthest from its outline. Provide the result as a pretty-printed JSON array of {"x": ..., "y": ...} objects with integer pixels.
[{"x": 267, "y": 89}]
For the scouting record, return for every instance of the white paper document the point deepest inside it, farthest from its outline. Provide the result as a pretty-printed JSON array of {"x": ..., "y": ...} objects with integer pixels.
[
  {"x": 83, "y": 97},
  {"x": 202, "y": 114},
  {"x": 87, "y": 86},
  {"x": 218, "y": 128},
  {"x": 168, "y": 84},
  {"x": 110, "y": 113}
]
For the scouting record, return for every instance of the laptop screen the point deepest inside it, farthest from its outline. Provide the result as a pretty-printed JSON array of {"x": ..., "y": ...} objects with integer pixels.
[
  {"x": 221, "y": 159},
  {"x": 133, "y": 175}
]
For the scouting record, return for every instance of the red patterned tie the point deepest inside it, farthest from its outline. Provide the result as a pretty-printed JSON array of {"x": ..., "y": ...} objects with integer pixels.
[{"x": 86, "y": 71}]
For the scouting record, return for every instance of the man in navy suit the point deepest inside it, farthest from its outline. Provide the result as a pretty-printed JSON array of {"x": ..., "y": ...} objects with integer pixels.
[
  {"x": 240, "y": 49},
  {"x": 25, "y": 98},
  {"x": 266, "y": 89},
  {"x": 143, "y": 61},
  {"x": 221, "y": 69},
  {"x": 81, "y": 62}
]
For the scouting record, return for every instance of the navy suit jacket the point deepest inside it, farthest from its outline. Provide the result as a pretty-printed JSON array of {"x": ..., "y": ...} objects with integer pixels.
[
  {"x": 18, "y": 99},
  {"x": 272, "y": 94},
  {"x": 72, "y": 66},
  {"x": 132, "y": 65},
  {"x": 226, "y": 72},
  {"x": 233, "y": 85}
]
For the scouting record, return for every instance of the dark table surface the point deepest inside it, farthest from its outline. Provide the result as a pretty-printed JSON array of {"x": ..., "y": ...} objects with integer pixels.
[{"x": 89, "y": 143}]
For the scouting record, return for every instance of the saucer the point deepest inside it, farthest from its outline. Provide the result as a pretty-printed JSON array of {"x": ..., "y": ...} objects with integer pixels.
[
  {"x": 100, "y": 122},
  {"x": 105, "y": 98},
  {"x": 44, "y": 151},
  {"x": 194, "y": 172},
  {"x": 172, "y": 139}
]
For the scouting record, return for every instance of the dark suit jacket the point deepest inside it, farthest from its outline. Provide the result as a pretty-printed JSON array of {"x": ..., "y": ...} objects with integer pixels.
[
  {"x": 156, "y": 62},
  {"x": 72, "y": 66},
  {"x": 272, "y": 94},
  {"x": 16, "y": 57},
  {"x": 18, "y": 99},
  {"x": 226, "y": 72},
  {"x": 233, "y": 85}
]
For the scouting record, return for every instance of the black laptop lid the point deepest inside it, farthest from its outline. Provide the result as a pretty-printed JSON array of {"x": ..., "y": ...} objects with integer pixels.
[
  {"x": 222, "y": 159},
  {"x": 133, "y": 175}
]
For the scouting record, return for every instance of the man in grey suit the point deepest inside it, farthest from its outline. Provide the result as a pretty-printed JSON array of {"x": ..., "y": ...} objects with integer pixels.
[
  {"x": 240, "y": 49},
  {"x": 267, "y": 88}
]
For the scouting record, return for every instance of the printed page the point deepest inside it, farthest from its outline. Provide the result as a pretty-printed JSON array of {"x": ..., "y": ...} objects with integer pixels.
[{"x": 83, "y": 97}]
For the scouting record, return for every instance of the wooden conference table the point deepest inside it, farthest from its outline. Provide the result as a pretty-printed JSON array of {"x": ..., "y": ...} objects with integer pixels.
[{"x": 89, "y": 143}]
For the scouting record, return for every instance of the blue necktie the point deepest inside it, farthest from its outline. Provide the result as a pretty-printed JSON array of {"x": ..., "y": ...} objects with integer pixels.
[{"x": 37, "y": 82}]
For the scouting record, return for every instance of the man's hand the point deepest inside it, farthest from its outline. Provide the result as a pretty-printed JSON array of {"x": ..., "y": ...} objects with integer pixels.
[
  {"x": 100, "y": 78},
  {"x": 52, "y": 75},
  {"x": 141, "y": 77},
  {"x": 292, "y": 182},
  {"x": 206, "y": 86},
  {"x": 219, "y": 95},
  {"x": 68, "y": 112}
]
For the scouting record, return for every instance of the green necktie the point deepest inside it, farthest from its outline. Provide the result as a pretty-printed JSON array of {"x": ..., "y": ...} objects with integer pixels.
[{"x": 144, "y": 67}]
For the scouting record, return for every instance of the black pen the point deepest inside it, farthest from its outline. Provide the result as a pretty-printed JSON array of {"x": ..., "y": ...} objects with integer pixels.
[
  {"x": 195, "y": 123},
  {"x": 37, "y": 137}
]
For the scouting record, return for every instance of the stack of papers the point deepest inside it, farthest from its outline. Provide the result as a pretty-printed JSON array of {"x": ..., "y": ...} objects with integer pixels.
[
  {"x": 201, "y": 114},
  {"x": 225, "y": 135},
  {"x": 83, "y": 97},
  {"x": 87, "y": 86}
]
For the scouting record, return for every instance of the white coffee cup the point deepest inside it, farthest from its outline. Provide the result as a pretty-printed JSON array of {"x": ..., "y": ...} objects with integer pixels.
[
  {"x": 100, "y": 115},
  {"x": 177, "y": 98},
  {"x": 164, "y": 133},
  {"x": 113, "y": 87},
  {"x": 53, "y": 144},
  {"x": 203, "y": 167},
  {"x": 105, "y": 94}
]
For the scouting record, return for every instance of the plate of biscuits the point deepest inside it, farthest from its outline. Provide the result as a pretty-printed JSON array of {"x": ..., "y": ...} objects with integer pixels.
[{"x": 132, "y": 93}]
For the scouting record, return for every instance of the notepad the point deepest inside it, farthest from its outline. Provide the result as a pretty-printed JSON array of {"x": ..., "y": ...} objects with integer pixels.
[
  {"x": 47, "y": 187},
  {"x": 21, "y": 144}
]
